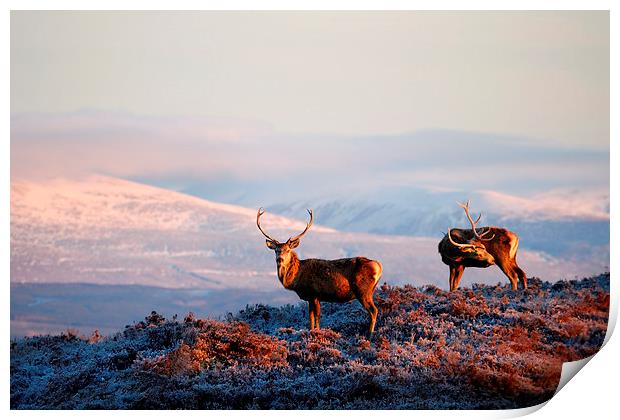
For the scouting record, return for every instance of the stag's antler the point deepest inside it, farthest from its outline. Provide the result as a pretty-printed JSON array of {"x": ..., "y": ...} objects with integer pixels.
[
  {"x": 457, "y": 244},
  {"x": 307, "y": 226},
  {"x": 258, "y": 215},
  {"x": 482, "y": 235}
]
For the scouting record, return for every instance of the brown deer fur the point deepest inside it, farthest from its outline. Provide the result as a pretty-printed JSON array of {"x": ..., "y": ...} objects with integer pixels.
[
  {"x": 317, "y": 281},
  {"x": 481, "y": 248}
]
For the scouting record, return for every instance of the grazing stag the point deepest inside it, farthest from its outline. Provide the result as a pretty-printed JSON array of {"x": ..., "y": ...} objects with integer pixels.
[
  {"x": 317, "y": 280},
  {"x": 481, "y": 247}
]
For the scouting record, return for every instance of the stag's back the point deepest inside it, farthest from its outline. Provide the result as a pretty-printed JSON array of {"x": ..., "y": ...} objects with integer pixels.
[{"x": 336, "y": 280}]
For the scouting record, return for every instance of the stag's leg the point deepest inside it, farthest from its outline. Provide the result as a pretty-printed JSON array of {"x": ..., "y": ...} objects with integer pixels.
[
  {"x": 510, "y": 272},
  {"x": 456, "y": 272},
  {"x": 317, "y": 313},
  {"x": 368, "y": 304},
  {"x": 365, "y": 297},
  {"x": 521, "y": 275},
  {"x": 364, "y": 287},
  {"x": 311, "y": 312}
]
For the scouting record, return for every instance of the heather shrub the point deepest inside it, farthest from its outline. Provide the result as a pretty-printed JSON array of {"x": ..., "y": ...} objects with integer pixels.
[
  {"x": 315, "y": 348},
  {"x": 469, "y": 307},
  {"x": 218, "y": 344},
  {"x": 482, "y": 348}
]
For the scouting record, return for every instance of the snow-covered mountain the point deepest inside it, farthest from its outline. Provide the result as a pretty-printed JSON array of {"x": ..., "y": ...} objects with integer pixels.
[
  {"x": 562, "y": 223},
  {"x": 110, "y": 231},
  {"x": 104, "y": 230}
]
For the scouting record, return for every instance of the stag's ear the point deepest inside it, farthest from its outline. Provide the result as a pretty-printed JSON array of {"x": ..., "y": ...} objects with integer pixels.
[
  {"x": 293, "y": 244},
  {"x": 270, "y": 244}
]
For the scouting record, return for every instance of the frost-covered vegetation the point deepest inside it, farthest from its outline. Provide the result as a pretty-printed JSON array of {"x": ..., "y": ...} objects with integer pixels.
[{"x": 484, "y": 347}]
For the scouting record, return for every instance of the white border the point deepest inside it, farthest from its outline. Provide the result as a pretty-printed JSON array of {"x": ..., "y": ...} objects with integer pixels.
[{"x": 591, "y": 395}]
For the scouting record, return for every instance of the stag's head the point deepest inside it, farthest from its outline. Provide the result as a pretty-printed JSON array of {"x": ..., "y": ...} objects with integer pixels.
[
  {"x": 283, "y": 250},
  {"x": 474, "y": 247}
]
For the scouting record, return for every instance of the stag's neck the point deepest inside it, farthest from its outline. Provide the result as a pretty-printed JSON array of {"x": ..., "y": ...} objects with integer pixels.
[{"x": 290, "y": 274}]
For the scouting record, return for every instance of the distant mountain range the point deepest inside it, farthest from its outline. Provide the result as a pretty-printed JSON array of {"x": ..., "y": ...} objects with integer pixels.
[
  {"x": 104, "y": 230},
  {"x": 96, "y": 252},
  {"x": 561, "y": 223}
]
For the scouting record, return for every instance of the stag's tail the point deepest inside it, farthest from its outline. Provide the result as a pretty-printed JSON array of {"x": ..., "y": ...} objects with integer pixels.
[
  {"x": 370, "y": 269},
  {"x": 514, "y": 244},
  {"x": 377, "y": 271}
]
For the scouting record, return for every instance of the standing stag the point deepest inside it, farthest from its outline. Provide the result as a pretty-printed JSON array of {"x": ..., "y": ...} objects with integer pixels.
[
  {"x": 317, "y": 280},
  {"x": 481, "y": 247}
]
